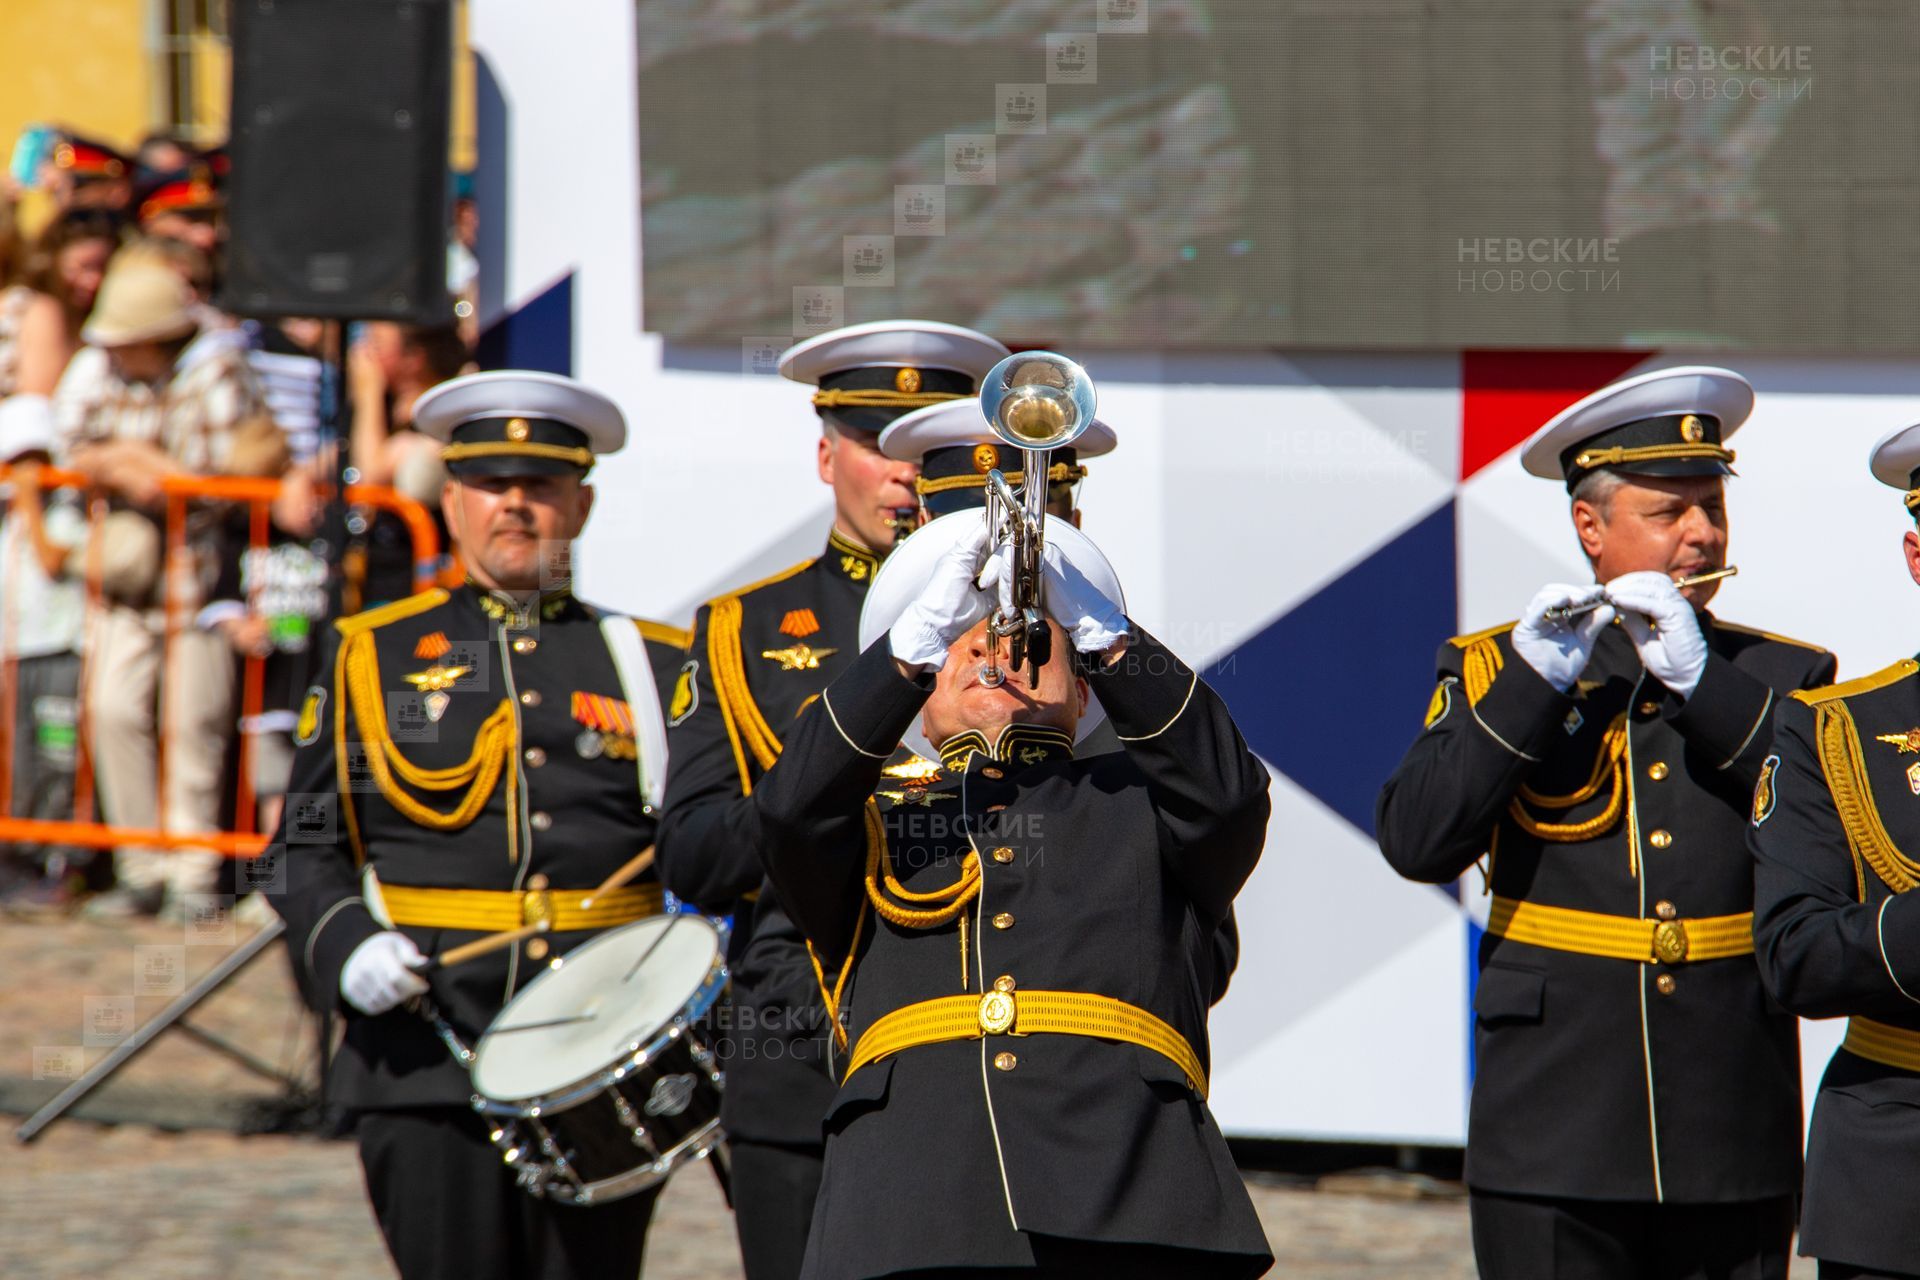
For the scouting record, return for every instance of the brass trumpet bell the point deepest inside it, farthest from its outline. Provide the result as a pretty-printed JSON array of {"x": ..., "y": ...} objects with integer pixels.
[{"x": 1038, "y": 400}]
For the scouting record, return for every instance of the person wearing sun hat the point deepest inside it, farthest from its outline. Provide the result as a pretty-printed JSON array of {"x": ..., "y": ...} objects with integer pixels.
[
  {"x": 546, "y": 713},
  {"x": 150, "y": 397},
  {"x": 1600, "y": 756},
  {"x": 1834, "y": 829},
  {"x": 1025, "y": 1053},
  {"x": 760, "y": 653}
]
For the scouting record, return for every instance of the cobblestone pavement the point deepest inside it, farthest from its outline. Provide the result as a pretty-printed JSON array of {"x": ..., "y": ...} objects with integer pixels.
[{"x": 129, "y": 1199}]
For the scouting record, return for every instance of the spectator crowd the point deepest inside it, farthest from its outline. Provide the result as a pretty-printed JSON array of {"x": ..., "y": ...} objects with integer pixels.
[{"x": 124, "y": 642}]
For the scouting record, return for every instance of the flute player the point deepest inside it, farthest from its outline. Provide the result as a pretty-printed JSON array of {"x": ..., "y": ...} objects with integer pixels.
[{"x": 1636, "y": 1106}]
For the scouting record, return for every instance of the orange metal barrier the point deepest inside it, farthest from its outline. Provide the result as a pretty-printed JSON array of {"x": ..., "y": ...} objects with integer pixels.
[{"x": 178, "y": 491}]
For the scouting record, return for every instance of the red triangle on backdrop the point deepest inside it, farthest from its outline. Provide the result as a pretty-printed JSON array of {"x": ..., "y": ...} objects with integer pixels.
[{"x": 1508, "y": 395}]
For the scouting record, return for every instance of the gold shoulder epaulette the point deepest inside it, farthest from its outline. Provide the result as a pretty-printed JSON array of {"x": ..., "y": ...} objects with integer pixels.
[
  {"x": 1865, "y": 684},
  {"x": 373, "y": 618},
  {"x": 767, "y": 581},
  {"x": 1467, "y": 642},
  {"x": 661, "y": 633},
  {"x": 1766, "y": 635}
]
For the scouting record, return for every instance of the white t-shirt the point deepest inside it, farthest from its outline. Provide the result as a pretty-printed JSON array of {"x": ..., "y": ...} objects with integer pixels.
[{"x": 40, "y": 615}]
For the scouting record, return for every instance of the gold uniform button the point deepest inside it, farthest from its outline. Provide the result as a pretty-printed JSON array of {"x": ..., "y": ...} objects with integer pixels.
[
  {"x": 531, "y": 698},
  {"x": 1005, "y": 1062},
  {"x": 1649, "y": 708},
  {"x": 1665, "y": 984},
  {"x": 1002, "y": 854},
  {"x": 525, "y": 644},
  {"x": 1658, "y": 771},
  {"x": 1003, "y": 983},
  {"x": 991, "y": 772},
  {"x": 1004, "y": 920},
  {"x": 536, "y": 948},
  {"x": 535, "y": 757},
  {"x": 537, "y": 882},
  {"x": 1661, "y": 839},
  {"x": 540, "y": 821},
  {"x": 1666, "y": 910}
]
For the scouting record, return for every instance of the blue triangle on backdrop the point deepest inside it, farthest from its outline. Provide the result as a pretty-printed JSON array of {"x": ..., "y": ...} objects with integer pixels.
[
  {"x": 537, "y": 335},
  {"x": 1333, "y": 692}
]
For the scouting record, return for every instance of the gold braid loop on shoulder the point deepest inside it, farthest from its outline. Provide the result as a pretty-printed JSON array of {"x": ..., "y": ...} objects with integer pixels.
[
  {"x": 493, "y": 747},
  {"x": 1845, "y": 766},
  {"x": 1610, "y": 765}
]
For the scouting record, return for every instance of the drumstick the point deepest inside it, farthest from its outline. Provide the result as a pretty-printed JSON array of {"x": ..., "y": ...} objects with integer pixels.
[
  {"x": 1561, "y": 613},
  {"x": 481, "y": 946},
  {"x": 635, "y": 865}
]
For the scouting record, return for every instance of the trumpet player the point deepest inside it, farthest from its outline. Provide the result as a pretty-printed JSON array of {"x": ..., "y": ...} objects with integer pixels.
[
  {"x": 1636, "y": 1106},
  {"x": 1027, "y": 1068},
  {"x": 759, "y": 655}
]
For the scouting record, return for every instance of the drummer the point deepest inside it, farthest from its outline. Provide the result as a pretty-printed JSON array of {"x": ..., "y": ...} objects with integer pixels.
[{"x": 472, "y": 762}]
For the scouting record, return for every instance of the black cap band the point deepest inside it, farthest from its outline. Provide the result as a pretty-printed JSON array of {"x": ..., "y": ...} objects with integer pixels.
[
  {"x": 1681, "y": 444},
  {"x": 517, "y": 446}
]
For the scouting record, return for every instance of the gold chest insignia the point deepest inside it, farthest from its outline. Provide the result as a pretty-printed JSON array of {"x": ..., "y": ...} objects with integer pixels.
[
  {"x": 1763, "y": 792},
  {"x": 1908, "y": 742},
  {"x": 799, "y": 657},
  {"x": 434, "y": 679},
  {"x": 917, "y": 796}
]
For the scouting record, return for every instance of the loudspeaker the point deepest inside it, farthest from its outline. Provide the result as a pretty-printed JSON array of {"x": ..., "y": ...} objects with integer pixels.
[{"x": 338, "y": 201}]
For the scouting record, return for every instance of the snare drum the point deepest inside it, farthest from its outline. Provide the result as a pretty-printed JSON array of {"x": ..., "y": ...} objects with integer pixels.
[{"x": 596, "y": 1078}]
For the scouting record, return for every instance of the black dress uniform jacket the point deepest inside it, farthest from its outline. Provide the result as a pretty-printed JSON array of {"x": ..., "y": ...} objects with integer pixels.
[
  {"x": 758, "y": 657},
  {"x": 1836, "y": 826},
  {"x": 1108, "y": 876},
  {"x": 1596, "y": 1077},
  {"x": 551, "y": 809}
]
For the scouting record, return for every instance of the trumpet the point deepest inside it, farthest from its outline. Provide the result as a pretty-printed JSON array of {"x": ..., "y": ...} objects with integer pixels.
[
  {"x": 1036, "y": 401},
  {"x": 1565, "y": 612}
]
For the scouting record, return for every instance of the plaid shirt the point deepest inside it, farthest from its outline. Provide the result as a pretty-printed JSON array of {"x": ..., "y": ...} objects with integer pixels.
[{"x": 191, "y": 418}]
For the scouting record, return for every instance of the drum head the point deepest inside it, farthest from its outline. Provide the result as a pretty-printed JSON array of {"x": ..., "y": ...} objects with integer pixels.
[{"x": 588, "y": 1010}]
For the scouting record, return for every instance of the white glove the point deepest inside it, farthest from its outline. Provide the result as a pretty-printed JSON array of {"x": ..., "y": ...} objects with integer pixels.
[
  {"x": 1092, "y": 621},
  {"x": 379, "y": 975},
  {"x": 1560, "y": 650},
  {"x": 947, "y": 609},
  {"x": 1663, "y": 627}
]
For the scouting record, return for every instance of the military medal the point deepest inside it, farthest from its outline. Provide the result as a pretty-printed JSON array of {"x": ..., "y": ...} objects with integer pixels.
[
  {"x": 437, "y": 705},
  {"x": 609, "y": 726}
]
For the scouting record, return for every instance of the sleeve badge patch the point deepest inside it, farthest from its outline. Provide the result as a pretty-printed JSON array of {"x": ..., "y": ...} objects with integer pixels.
[
  {"x": 308, "y": 726},
  {"x": 686, "y": 694},
  {"x": 1764, "y": 794}
]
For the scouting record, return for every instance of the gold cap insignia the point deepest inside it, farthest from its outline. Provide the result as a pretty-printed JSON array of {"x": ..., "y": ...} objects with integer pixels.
[
  {"x": 518, "y": 430},
  {"x": 1692, "y": 430},
  {"x": 907, "y": 380},
  {"x": 985, "y": 458}
]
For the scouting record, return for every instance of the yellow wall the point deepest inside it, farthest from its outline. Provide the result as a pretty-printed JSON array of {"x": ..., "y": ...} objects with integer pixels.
[{"x": 81, "y": 63}]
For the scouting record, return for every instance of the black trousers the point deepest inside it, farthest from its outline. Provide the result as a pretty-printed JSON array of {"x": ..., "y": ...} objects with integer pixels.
[
  {"x": 449, "y": 1209},
  {"x": 774, "y": 1187},
  {"x": 1055, "y": 1258},
  {"x": 1529, "y": 1238}
]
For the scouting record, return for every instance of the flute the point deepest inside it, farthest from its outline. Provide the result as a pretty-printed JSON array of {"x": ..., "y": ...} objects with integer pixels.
[{"x": 1562, "y": 613}]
